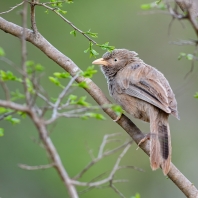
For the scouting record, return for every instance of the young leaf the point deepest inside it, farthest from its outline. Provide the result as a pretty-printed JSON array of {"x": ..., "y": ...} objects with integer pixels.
[
  {"x": 181, "y": 55},
  {"x": 3, "y": 110},
  {"x": 189, "y": 57},
  {"x": 82, "y": 85},
  {"x": 196, "y": 95},
  {"x": 61, "y": 75},
  {"x": 17, "y": 95},
  {"x": 2, "y": 53},
  {"x": 92, "y": 34},
  {"x": 82, "y": 101},
  {"x": 117, "y": 109},
  {"x": 146, "y": 6},
  {"x": 1, "y": 132},
  {"x": 88, "y": 73},
  {"x": 137, "y": 195},
  {"x": 73, "y": 32},
  {"x": 55, "y": 81},
  {"x": 106, "y": 46},
  {"x": 93, "y": 115}
]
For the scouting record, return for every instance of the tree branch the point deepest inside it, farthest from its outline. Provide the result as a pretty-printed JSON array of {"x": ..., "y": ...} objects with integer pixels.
[{"x": 67, "y": 64}]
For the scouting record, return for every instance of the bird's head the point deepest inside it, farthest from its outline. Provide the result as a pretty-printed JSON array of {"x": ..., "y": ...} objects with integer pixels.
[{"x": 117, "y": 59}]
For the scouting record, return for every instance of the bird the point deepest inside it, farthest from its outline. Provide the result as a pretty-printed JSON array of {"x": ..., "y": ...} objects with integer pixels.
[{"x": 143, "y": 92}]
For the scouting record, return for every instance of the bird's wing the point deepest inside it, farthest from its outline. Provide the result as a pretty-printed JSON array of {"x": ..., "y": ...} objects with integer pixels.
[{"x": 146, "y": 83}]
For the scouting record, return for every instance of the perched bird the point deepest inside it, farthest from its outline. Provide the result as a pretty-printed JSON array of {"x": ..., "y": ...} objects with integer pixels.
[{"x": 144, "y": 93}]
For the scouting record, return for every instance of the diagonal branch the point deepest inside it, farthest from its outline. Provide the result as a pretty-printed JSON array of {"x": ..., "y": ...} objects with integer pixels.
[{"x": 67, "y": 64}]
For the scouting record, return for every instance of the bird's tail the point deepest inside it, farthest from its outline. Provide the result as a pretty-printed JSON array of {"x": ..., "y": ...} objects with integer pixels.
[{"x": 160, "y": 148}]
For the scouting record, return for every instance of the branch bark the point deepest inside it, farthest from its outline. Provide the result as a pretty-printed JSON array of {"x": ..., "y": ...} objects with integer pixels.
[{"x": 67, "y": 64}]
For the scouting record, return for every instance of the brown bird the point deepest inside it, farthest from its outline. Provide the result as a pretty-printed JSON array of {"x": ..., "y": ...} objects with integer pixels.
[{"x": 144, "y": 93}]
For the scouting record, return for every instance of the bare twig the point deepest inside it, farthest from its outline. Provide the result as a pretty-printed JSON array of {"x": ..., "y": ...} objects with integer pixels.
[
  {"x": 193, "y": 61},
  {"x": 58, "y": 101},
  {"x": 33, "y": 21},
  {"x": 104, "y": 142},
  {"x": 6, "y": 115},
  {"x": 12, "y": 8},
  {"x": 66, "y": 20},
  {"x": 40, "y": 167},
  {"x": 111, "y": 175},
  {"x": 24, "y": 52},
  {"x": 5, "y": 89},
  {"x": 101, "y": 156}
]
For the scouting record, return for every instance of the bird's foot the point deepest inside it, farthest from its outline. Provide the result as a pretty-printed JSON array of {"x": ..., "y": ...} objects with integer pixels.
[
  {"x": 118, "y": 118},
  {"x": 146, "y": 137}
]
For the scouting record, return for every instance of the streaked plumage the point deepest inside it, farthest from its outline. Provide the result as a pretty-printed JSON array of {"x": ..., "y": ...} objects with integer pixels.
[{"x": 145, "y": 93}]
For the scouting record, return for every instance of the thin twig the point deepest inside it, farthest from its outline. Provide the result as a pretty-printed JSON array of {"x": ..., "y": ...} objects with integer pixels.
[
  {"x": 5, "y": 89},
  {"x": 58, "y": 101},
  {"x": 66, "y": 20},
  {"x": 105, "y": 154},
  {"x": 111, "y": 175},
  {"x": 6, "y": 115},
  {"x": 40, "y": 167},
  {"x": 33, "y": 21},
  {"x": 12, "y": 8},
  {"x": 117, "y": 191},
  {"x": 24, "y": 52}
]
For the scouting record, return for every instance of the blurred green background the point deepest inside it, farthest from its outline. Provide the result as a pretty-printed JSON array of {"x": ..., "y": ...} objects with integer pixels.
[{"x": 122, "y": 24}]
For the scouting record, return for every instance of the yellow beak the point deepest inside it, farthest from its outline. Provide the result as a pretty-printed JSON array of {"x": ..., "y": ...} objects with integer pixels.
[{"x": 100, "y": 61}]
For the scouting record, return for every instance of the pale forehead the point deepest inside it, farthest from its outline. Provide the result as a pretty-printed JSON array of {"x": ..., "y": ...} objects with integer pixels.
[{"x": 115, "y": 53}]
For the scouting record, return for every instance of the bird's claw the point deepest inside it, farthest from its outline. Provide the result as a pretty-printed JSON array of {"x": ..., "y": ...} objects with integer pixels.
[{"x": 118, "y": 118}]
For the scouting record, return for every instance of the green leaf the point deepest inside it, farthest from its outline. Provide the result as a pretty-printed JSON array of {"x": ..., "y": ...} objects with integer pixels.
[
  {"x": 82, "y": 101},
  {"x": 137, "y": 195},
  {"x": 93, "y": 52},
  {"x": 88, "y": 73},
  {"x": 181, "y": 55},
  {"x": 158, "y": 2},
  {"x": 22, "y": 114},
  {"x": 72, "y": 97},
  {"x": 189, "y": 57},
  {"x": 59, "y": 4},
  {"x": 1, "y": 132},
  {"x": 106, "y": 46},
  {"x": 92, "y": 34},
  {"x": 29, "y": 63},
  {"x": 73, "y": 32},
  {"x": 117, "y": 109},
  {"x": 82, "y": 85},
  {"x": 63, "y": 11},
  {"x": 146, "y": 6},
  {"x": 30, "y": 86},
  {"x": 15, "y": 121},
  {"x": 17, "y": 95},
  {"x": 61, "y": 75},
  {"x": 93, "y": 115},
  {"x": 12, "y": 120},
  {"x": 3, "y": 110},
  {"x": 39, "y": 67},
  {"x": 55, "y": 81},
  {"x": 70, "y": 1},
  {"x": 196, "y": 95},
  {"x": 2, "y": 53}
]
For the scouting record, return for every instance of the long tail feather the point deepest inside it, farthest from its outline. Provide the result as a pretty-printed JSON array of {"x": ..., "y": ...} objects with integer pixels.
[{"x": 160, "y": 148}]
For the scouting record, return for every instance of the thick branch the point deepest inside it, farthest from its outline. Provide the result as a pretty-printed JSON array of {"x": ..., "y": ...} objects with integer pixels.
[{"x": 67, "y": 64}]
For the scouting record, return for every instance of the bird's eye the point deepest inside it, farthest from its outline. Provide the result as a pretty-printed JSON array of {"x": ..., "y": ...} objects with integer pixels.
[{"x": 115, "y": 60}]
